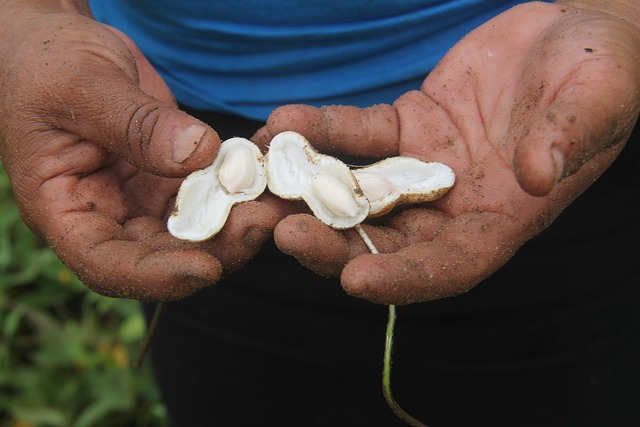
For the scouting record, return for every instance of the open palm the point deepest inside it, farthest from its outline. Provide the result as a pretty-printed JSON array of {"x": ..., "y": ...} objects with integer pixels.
[{"x": 529, "y": 109}]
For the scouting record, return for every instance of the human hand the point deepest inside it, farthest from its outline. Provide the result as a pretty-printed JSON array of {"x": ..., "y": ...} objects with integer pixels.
[
  {"x": 96, "y": 149},
  {"x": 529, "y": 109}
]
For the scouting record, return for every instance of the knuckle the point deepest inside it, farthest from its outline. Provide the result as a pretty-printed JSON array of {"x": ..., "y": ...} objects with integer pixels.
[{"x": 141, "y": 121}]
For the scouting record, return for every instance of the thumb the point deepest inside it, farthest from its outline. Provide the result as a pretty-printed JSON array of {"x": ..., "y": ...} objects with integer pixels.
[
  {"x": 153, "y": 136},
  {"x": 567, "y": 135},
  {"x": 581, "y": 125},
  {"x": 580, "y": 114},
  {"x": 119, "y": 102}
]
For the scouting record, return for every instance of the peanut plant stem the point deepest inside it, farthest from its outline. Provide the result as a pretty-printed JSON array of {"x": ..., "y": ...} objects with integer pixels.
[
  {"x": 386, "y": 373},
  {"x": 388, "y": 347},
  {"x": 147, "y": 339}
]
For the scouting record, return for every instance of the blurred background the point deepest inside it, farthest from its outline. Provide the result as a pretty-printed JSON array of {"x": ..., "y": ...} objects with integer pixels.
[{"x": 67, "y": 355}]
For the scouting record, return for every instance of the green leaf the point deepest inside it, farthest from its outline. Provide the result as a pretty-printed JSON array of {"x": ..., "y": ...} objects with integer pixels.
[
  {"x": 99, "y": 410},
  {"x": 132, "y": 328},
  {"x": 64, "y": 348},
  {"x": 11, "y": 322},
  {"x": 41, "y": 416}
]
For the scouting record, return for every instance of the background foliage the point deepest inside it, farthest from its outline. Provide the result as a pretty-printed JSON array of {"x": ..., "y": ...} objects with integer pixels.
[{"x": 66, "y": 353}]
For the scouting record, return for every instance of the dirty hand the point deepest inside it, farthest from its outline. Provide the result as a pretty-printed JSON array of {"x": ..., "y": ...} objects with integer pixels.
[
  {"x": 529, "y": 109},
  {"x": 95, "y": 149}
]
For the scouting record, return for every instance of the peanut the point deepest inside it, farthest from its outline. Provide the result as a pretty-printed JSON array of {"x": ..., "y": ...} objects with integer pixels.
[
  {"x": 375, "y": 186},
  {"x": 334, "y": 194},
  {"x": 237, "y": 171}
]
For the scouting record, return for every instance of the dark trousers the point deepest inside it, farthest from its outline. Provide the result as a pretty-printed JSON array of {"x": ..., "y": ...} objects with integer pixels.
[{"x": 552, "y": 339}]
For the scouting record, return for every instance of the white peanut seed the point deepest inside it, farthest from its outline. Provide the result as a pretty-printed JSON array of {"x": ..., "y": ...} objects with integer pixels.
[
  {"x": 334, "y": 194},
  {"x": 237, "y": 171},
  {"x": 375, "y": 186}
]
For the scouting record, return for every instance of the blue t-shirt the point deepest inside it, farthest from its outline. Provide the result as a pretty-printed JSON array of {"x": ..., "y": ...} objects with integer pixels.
[{"x": 249, "y": 56}]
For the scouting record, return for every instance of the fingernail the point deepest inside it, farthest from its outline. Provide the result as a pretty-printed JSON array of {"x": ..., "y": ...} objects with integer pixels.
[
  {"x": 187, "y": 142},
  {"x": 558, "y": 161}
]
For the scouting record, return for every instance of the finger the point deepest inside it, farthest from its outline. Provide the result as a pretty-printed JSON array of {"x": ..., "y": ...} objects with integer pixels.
[
  {"x": 418, "y": 224},
  {"x": 588, "y": 113},
  {"x": 248, "y": 227},
  {"x": 102, "y": 101},
  {"x": 315, "y": 245},
  {"x": 465, "y": 251},
  {"x": 365, "y": 132},
  {"x": 563, "y": 140},
  {"x": 153, "y": 136},
  {"x": 283, "y": 207},
  {"x": 325, "y": 250},
  {"x": 99, "y": 251}
]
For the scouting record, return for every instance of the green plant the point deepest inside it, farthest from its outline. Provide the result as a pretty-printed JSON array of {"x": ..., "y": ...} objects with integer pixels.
[
  {"x": 388, "y": 350},
  {"x": 66, "y": 353}
]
